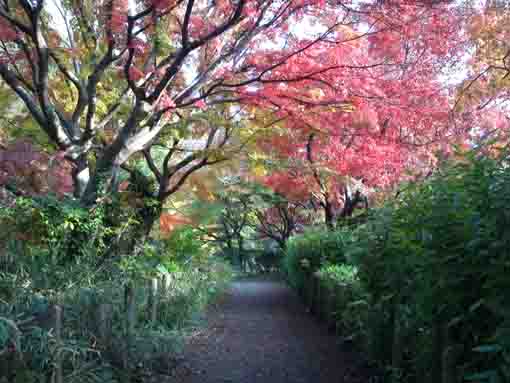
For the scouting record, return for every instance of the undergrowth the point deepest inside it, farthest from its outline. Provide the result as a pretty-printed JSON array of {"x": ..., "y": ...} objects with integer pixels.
[{"x": 58, "y": 256}]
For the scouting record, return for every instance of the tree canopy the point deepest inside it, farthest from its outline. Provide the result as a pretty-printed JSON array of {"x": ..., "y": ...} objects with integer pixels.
[{"x": 356, "y": 89}]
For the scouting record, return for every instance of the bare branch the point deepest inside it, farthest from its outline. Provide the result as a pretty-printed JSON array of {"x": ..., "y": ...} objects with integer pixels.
[
  {"x": 185, "y": 23},
  {"x": 186, "y": 50}
]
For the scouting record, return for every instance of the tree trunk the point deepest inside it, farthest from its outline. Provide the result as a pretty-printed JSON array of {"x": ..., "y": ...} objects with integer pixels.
[
  {"x": 241, "y": 253},
  {"x": 282, "y": 243},
  {"x": 230, "y": 249},
  {"x": 131, "y": 240},
  {"x": 102, "y": 181},
  {"x": 81, "y": 176},
  {"x": 134, "y": 239},
  {"x": 329, "y": 215}
]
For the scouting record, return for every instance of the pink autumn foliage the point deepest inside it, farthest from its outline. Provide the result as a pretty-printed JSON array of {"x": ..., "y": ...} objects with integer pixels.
[
  {"x": 7, "y": 33},
  {"x": 33, "y": 172},
  {"x": 374, "y": 110},
  {"x": 200, "y": 104},
  {"x": 135, "y": 74},
  {"x": 161, "y": 5},
  {"x": 165, "y": 103},
  {"x": 119, "y": 15}
]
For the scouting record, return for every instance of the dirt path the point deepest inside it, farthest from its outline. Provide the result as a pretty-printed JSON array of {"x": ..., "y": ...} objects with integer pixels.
[{"x": 262, "y": 334}]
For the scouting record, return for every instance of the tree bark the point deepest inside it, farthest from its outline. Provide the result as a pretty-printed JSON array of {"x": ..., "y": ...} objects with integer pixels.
[
  {"x": 137, "y": 236},
  {"x": 81, "y": 176},
  {"x": 242, "y": 260},
  {"x": 329, "y": 215}
]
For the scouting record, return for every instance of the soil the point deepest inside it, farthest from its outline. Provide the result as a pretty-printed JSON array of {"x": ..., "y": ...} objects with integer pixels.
[{"x": 261, "y": 333}]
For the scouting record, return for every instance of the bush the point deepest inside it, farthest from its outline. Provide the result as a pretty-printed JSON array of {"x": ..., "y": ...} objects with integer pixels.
[
  {"x": 436, "y": 260},
  {"x": 350, "y": 307},
  {"x": 65, "y": 261},
  {"x": 422, "y": 285},
  {"x": 308, "y": 251}
]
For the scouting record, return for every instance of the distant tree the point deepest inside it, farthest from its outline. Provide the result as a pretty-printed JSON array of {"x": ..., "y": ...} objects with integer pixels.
[{"x": 278, "y": 218}]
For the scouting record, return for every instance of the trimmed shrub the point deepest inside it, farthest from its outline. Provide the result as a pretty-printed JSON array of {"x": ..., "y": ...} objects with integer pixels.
[
  {"x": 423, "y": 284},
  {"x": 307, "y": 252},
  {"x": 435, "y": 264}
]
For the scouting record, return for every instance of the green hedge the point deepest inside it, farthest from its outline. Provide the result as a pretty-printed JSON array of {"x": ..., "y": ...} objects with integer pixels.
[
  {"x": 350, "y": 307},
  {"x": 308, "y": 251},
  {"x": 427, "y": 277},
  {"x": 438, "y": 258}
]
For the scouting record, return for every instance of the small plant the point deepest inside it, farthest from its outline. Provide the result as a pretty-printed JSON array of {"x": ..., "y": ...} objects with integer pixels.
[{"x": 307, "y": 252}]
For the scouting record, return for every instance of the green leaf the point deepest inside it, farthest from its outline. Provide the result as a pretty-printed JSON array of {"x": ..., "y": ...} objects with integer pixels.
[
  {"x": 490, "y": 376},
  {"x": 4, "y": 335},
  {"x": 492, "y": 348}
]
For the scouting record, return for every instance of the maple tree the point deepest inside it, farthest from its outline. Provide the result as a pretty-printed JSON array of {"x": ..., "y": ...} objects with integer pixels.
[
  {"x": 281, "y": 219},
  {"x": 24, "y": 170},
  {"x": 487, "y": 34},
  {"x": 168, "y": 82},
  {"x": 483, "y": 93},
  {"x": 231, "y": 224},
  {"x": 222, "y": 215},
  {"x": 307, "y": 180},
  {"x": 383, "y": 112}
]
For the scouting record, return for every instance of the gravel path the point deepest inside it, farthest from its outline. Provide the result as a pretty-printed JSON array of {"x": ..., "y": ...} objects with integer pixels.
[{"x": 261, "y": 333}]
